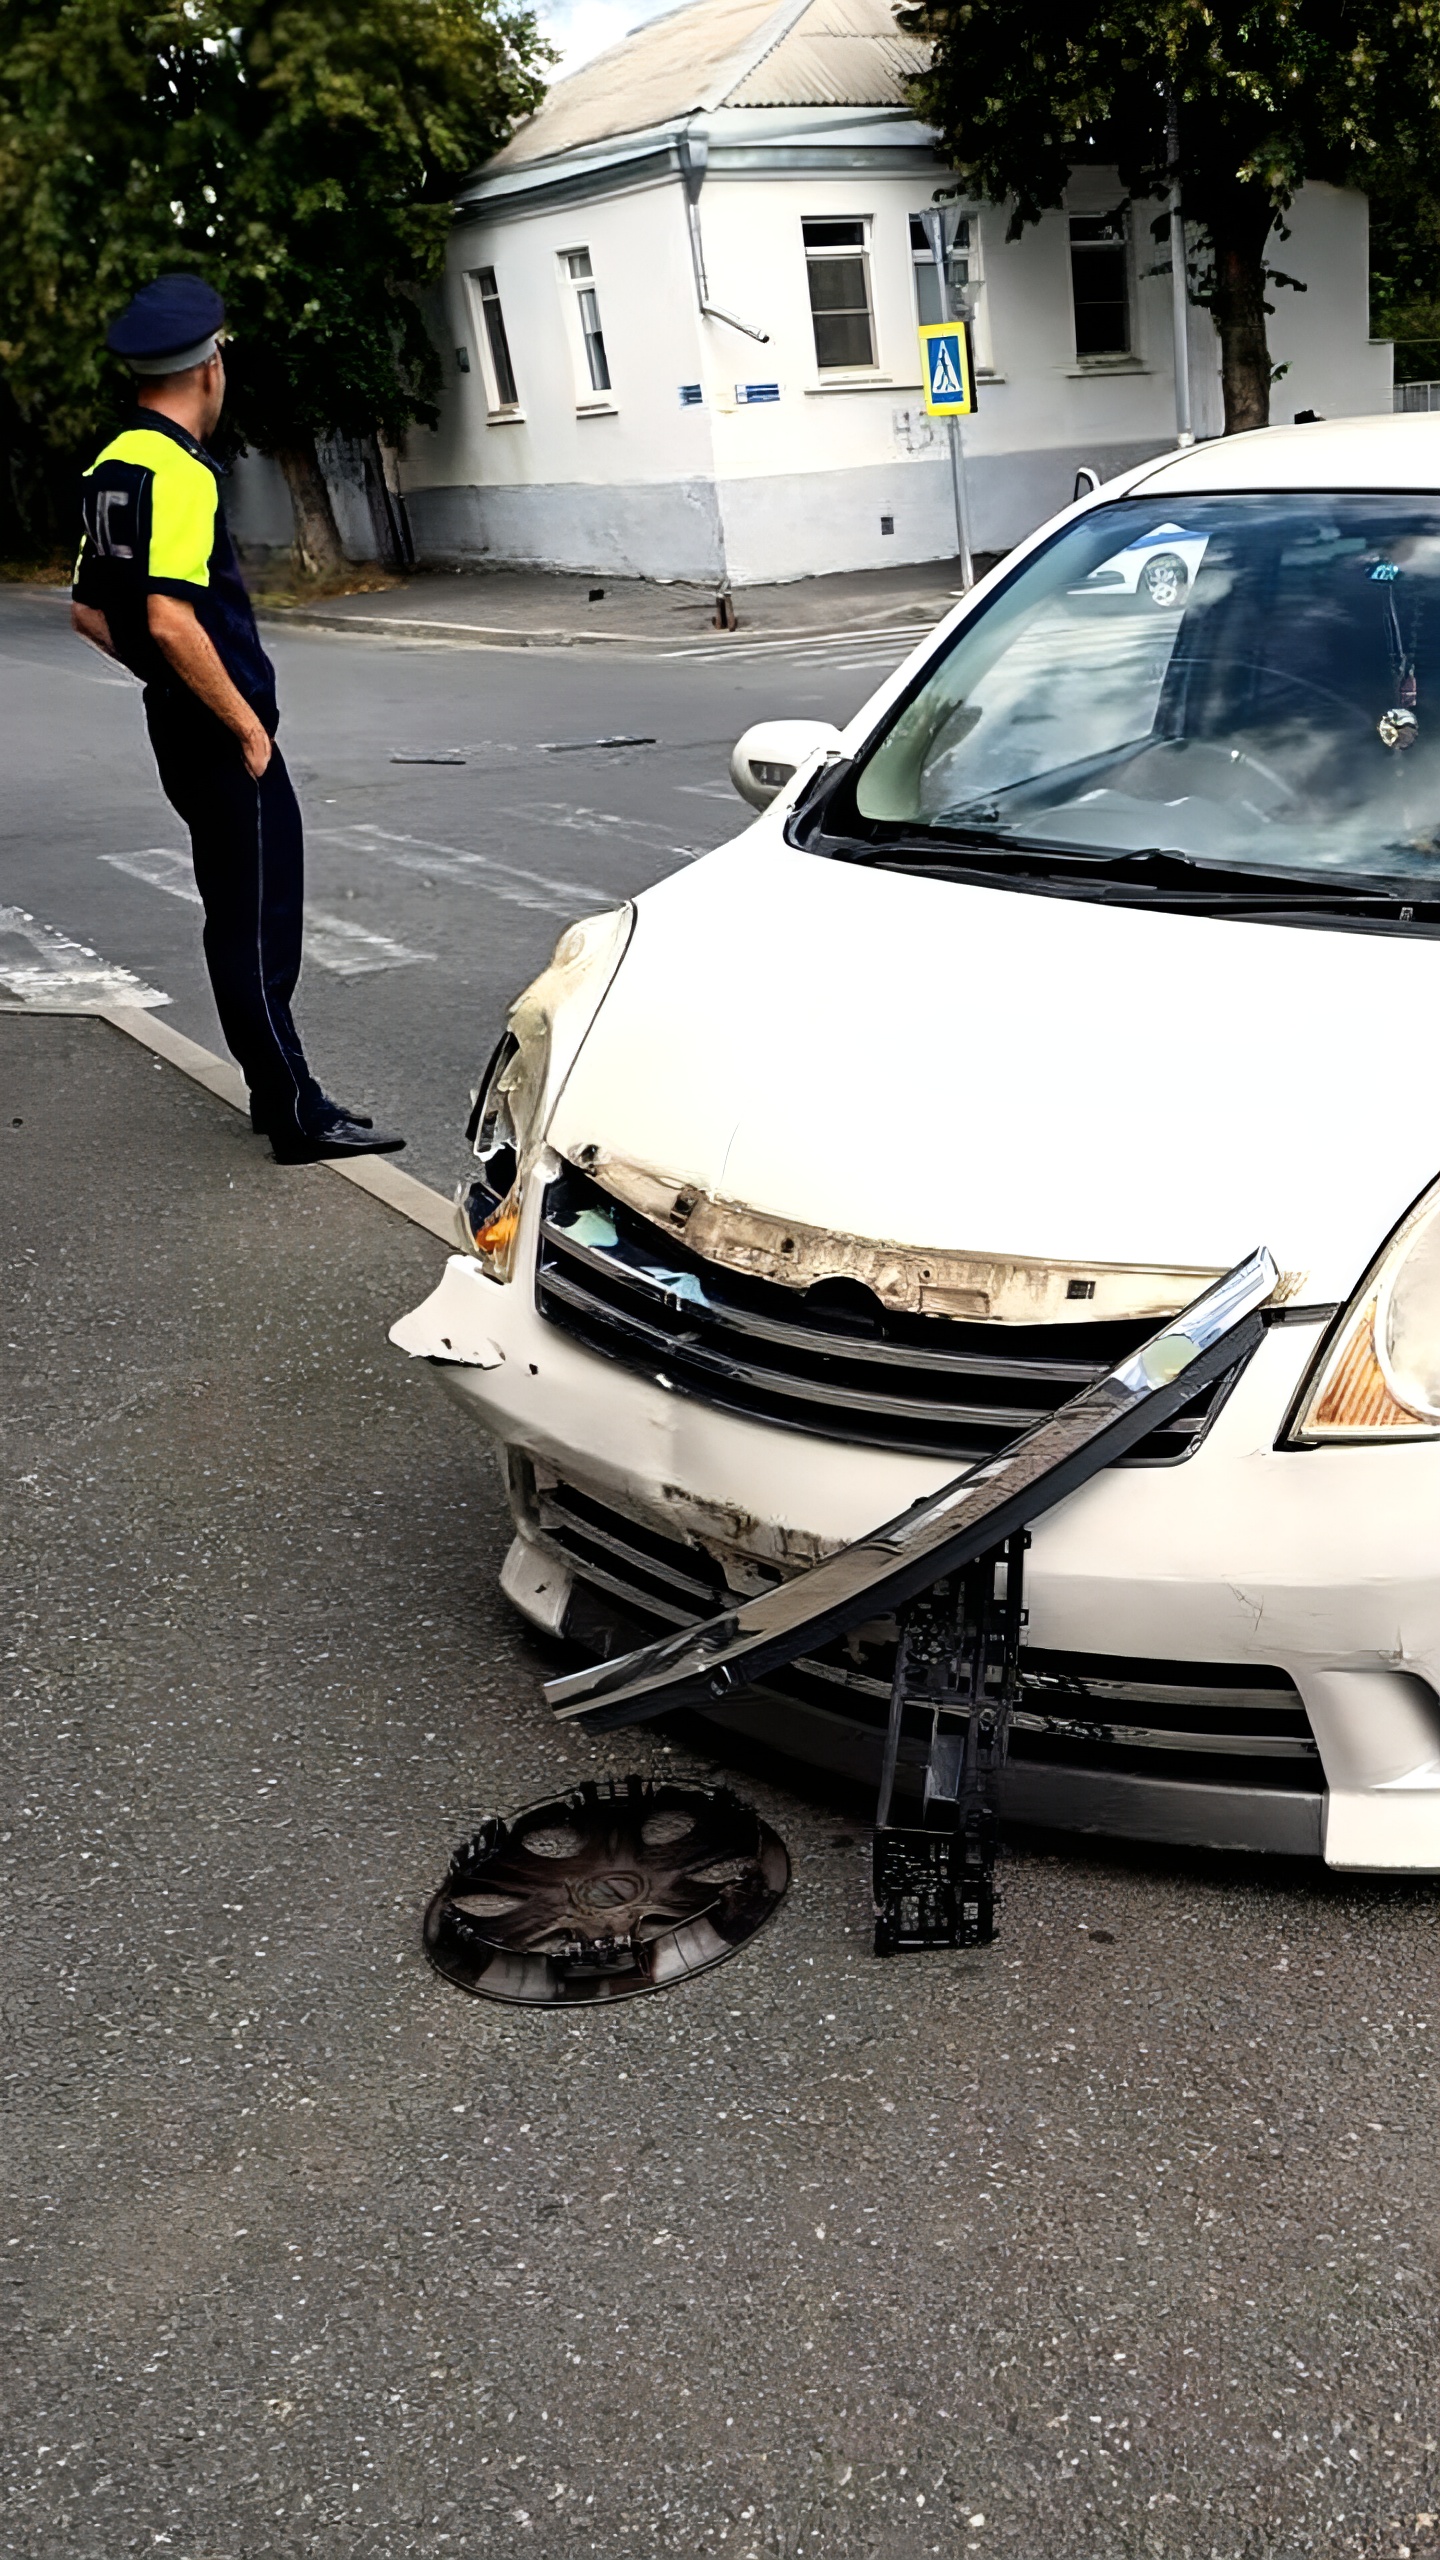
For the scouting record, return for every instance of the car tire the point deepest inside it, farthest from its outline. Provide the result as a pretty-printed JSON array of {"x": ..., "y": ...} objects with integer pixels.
[{"x": 1163, "y": 581}]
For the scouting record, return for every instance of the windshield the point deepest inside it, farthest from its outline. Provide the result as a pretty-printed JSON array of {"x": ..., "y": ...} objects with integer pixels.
[{"x": 1252, "y": 682}]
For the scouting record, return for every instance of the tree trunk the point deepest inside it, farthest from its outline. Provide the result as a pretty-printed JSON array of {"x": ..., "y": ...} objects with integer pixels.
[
  {"x": 317, "y": 536},
  {"x": 1238, "y": 236}
]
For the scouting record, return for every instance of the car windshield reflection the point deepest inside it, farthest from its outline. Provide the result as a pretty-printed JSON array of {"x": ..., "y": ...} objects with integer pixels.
[{"x": 1256, "y": 685}]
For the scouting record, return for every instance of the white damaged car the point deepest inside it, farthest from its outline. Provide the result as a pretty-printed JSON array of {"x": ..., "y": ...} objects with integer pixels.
[{"x": 1102, "y": 948}]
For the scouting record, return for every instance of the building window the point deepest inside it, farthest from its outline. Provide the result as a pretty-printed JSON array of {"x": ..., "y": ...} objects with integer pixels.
[
  {"x": 501, "y": 369},
  {"x": 837, "y": 260},
  {"x": 963, "y": 275},
  {"x": 582, "y": 276},
  {"x": 1100, "y": 283}
]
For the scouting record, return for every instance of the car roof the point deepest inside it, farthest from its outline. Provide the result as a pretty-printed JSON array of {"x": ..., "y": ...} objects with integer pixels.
[{"x": 1389, "y": 452}]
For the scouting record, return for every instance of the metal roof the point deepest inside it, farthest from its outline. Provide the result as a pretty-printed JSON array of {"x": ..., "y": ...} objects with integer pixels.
[
  {"x": 838, "y": 53},
  {"x": 724, "y": 53}
]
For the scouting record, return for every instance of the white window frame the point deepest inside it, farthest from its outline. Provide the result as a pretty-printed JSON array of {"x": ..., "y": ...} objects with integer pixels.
[
  {"x": 496, "y": 405},
  {"x": 578, "y": 283},
  {"x": 972, "y": 284},
  {"x": 850, "y": 249},
  {"x": 1107, "y": 357}
]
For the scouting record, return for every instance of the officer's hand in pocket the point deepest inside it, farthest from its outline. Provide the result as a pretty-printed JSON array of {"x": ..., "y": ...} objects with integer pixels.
[{"x": 257, "y": 748}]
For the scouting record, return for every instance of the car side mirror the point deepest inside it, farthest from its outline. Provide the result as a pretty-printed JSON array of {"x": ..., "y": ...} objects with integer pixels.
[{"x": 770, "y": 755}]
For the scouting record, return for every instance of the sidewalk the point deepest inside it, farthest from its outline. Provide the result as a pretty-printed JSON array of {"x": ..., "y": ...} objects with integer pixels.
[{"x": 539, "y": 609}]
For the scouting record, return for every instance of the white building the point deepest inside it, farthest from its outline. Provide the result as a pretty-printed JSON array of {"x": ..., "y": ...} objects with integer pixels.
[{"x": 681, "y": 309}]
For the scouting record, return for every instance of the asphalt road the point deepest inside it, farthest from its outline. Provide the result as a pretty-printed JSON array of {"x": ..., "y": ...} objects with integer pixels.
[
  {"x": 1121, "y": 2237},
  {"x": 436, "y": 890},
  {"x": 1117, "y": 2239}
]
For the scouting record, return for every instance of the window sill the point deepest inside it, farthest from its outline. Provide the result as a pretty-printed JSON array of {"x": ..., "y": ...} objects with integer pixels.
[
  {"x": 866, "y": 381},
  {"x": 1086, "y": 367},
  {"x": 508, "y": 417},
  {"x": 596, "y": 409}
]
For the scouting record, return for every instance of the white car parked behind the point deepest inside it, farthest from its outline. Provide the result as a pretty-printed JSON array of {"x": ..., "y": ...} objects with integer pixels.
[{"x": 1102, "y": 948}]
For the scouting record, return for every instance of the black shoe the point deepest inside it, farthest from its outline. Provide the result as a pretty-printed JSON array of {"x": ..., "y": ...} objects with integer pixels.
[
  {"x": 338, "y": 1139},
  {"x": 336, "y": 1110}
]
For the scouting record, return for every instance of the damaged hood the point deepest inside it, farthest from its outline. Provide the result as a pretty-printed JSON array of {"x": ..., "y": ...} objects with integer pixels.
[{"x": 995, "y": 1074}]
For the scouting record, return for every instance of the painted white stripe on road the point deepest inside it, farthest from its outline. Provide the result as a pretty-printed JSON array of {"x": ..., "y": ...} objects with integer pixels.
[
  {"x": 346, "y": 949},
  {"x": 351, "y": 950},
  {"x": 159, "y": 868},
  {"x": 820, "y": 644},
  {"x": 51, "y": 968},
  {"x": 503, "y": 880},
  {"x": 572, "y": 819}
]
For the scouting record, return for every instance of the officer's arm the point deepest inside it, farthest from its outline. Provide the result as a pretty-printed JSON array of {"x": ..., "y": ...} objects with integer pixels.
[
  {"x": 196, "y": 660},
  {"x": 92, "y": 626}
]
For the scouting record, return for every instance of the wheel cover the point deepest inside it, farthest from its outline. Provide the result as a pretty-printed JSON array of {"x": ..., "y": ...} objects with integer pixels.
[{"x": 620, "y": 1886}]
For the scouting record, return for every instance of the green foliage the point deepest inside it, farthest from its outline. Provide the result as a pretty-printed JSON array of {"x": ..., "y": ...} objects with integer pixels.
[
  {"x": 1267, "y": 93},
  {"x": 301, "y": 154},
  {"x": 1405, "y": 274}
]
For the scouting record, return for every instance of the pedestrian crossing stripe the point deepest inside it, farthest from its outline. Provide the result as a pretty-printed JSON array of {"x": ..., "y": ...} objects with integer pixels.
[{"x": 949, "y": 373}]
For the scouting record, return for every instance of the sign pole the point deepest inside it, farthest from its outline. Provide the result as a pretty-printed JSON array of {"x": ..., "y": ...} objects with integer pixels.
[
  {"x": 1179, "y": 284},
  {"x": 962, "y": 511},
  {"x": 934, "y": 221}
]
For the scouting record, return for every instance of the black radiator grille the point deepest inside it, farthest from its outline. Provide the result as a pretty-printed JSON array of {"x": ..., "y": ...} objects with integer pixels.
[
  {"x": 830, "y": 1360},
  {"x": 1219, "y": 1724}
]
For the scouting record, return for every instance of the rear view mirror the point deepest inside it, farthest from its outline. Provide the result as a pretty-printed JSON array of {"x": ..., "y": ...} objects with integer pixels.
[{"x": 770, "y": 755}]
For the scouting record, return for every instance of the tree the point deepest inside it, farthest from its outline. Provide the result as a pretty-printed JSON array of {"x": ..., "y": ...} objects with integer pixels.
[
  {"x": 301, "y": 154},
  {"x": 1405, "y": 274},
  {"x": 1264, "y": 94}
]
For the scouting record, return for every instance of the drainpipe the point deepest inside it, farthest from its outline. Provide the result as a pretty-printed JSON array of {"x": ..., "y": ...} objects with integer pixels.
[
  {"x": 693, "y": 152},
  {"x": 1179, "y": 285}
]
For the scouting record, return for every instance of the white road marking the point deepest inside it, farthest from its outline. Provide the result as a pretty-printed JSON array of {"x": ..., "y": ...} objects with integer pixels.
[
  {"x": 351, "y": 950},
  {"x": 573, "y": 819},
  {"x": 55, "y": 969},
  {"x": 823, "y": 645},
  {"x": 159, "y": 868},
  {"x": 346, "y": 949},
  {"x": 503, "y": 880}
]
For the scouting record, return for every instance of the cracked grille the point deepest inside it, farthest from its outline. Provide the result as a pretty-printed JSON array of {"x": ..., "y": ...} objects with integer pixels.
[{"x": 830, "y": 1360}]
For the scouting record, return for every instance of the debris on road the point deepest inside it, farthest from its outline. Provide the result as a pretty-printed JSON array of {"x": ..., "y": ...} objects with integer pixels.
[{"x": 619, "y": 1886}]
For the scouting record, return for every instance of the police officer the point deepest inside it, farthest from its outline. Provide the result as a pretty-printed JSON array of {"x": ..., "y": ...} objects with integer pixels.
[{"x": 158, "y": 587}]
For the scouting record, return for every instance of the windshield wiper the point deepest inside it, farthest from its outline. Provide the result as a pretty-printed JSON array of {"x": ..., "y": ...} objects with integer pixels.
[{"x": 1178, "y": 875}]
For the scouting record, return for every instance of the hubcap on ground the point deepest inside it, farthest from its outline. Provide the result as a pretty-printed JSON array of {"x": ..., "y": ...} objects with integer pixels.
[{"x": 620, "y": 1886}]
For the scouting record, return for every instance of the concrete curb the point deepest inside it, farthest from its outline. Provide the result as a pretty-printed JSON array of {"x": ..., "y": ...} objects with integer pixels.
[
  {"x": 481, "y": 635},
  {"x": 484, "y": 635},
  {"x": 380, "y": 1176}
]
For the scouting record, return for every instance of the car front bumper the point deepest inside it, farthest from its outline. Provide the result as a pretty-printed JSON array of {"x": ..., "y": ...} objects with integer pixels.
[{"x": 1322, "y": 1564}]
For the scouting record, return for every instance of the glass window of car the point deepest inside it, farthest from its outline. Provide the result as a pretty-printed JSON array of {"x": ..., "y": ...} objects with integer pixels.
[
  {"x": 837, "y": 263},
  {"x": 1252, "y": 682}
]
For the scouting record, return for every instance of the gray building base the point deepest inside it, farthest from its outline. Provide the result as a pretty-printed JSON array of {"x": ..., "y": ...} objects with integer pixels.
[
  {"x": 638, "y": 529},
  {"x": 756, "y": 531}
]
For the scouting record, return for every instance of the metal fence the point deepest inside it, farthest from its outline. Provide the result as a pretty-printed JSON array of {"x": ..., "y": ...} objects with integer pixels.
[{"x": 1417, "y": 395}]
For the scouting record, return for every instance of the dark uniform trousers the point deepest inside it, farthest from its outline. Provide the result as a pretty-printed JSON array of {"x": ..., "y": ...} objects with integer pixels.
[{"x": 248, "y": 846}]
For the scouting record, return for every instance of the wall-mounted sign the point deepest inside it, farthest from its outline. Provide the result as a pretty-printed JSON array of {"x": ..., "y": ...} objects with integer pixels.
[{"x": 749, "y": 392}]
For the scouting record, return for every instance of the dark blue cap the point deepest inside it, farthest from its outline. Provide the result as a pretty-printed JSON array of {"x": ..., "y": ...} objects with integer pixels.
[{"x": 170, "y": 325}]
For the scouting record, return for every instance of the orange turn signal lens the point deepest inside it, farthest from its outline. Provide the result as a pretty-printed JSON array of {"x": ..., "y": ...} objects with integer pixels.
[
  {"x": 1353, "y": 1400},
  {"x": 495, "y": 1241},
  {"x": 1377, "y": 1376}
]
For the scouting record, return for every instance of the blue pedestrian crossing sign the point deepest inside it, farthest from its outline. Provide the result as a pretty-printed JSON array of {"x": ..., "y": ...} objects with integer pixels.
[{"x": 949, "y": 373}]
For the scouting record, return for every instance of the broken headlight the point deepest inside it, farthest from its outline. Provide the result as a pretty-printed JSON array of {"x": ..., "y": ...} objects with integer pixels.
[
  {"x": 1377, "y": 1374},
  {"x": 523, "y": 1082}
]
